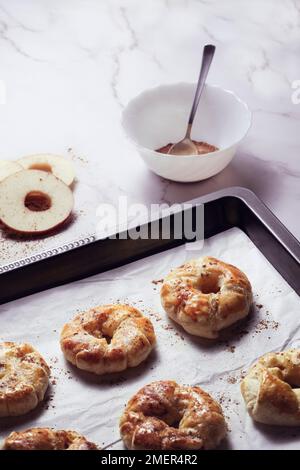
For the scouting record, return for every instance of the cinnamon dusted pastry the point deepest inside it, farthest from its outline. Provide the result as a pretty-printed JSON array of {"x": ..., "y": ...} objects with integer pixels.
[
  {"x": 206, "y": 295},
  {"x": 271, "y": 389},
  {"x": 47, "y": 439},
  {"x": 24, "y": 378},
  {"x": 108, "y": 338},
  {"x": 164, "y": 415}
]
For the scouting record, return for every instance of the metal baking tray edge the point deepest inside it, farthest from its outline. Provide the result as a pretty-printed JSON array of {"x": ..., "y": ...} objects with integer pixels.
[{"x": 231, "y": 207}]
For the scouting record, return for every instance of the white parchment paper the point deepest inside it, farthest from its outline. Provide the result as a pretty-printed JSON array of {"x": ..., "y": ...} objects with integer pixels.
[{"x": 92, "y": 405}]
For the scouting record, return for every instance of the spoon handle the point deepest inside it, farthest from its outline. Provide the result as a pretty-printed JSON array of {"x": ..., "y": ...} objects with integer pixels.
[{"x": 207, "y": 57}]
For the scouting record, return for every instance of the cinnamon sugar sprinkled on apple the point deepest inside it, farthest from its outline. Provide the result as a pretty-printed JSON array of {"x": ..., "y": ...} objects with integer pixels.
[
  {"x": 17, "y": 213},
  {"x": 59, "y": 166},
  {"x": 34, "y": 195}
]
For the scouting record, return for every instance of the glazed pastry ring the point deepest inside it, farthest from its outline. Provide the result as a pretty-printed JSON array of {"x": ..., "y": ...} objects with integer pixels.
[
  {"x": 206, "y": 295},
  {"x": 108, "y": 338},
  {"x": 271, "y": 389},
  {"x": 164, "y": 415}
]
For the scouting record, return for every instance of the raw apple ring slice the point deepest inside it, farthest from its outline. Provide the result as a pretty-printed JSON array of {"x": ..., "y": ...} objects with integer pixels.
[
  {"x": 33, "y": 201},
  {"x": 55, "y": 164},
  {"x": 8, "y": 168}
]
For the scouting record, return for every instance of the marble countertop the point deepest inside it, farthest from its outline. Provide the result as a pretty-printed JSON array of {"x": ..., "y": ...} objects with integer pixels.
[{"x": 69, "y": 67}]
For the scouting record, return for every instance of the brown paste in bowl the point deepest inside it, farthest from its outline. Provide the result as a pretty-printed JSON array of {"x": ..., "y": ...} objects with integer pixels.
[{"x": 202, "y": 147}]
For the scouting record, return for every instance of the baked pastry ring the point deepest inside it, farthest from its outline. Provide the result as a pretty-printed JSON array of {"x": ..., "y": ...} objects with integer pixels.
[
  {"x": 151, "y": 415},
  {"x": 24, "y": 378},
  {"x": 206, "y": 295},
  {"x": 108, "y": 338},
  {"x": 269, "y": 389},
  {"x": 47, "y": 439}
]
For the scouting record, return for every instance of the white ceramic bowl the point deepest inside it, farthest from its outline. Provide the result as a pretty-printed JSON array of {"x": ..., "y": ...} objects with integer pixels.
[{"x": 159, "y": 116}]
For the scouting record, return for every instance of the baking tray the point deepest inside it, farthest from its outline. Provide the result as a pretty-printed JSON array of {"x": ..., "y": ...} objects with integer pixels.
[{"x": 225, "y": 209}]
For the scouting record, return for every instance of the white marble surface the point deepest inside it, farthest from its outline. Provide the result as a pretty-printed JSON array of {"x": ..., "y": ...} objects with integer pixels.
[{"x": 71, "y": 66}]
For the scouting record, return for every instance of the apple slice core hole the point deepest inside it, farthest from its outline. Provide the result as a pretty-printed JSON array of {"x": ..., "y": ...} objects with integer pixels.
[
  {"x": 42, "y": 167},
  {"x": 37, "y": 201}
]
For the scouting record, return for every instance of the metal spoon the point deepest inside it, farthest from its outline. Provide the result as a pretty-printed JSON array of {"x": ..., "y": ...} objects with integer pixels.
[{"x": 186, "y": 146}]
